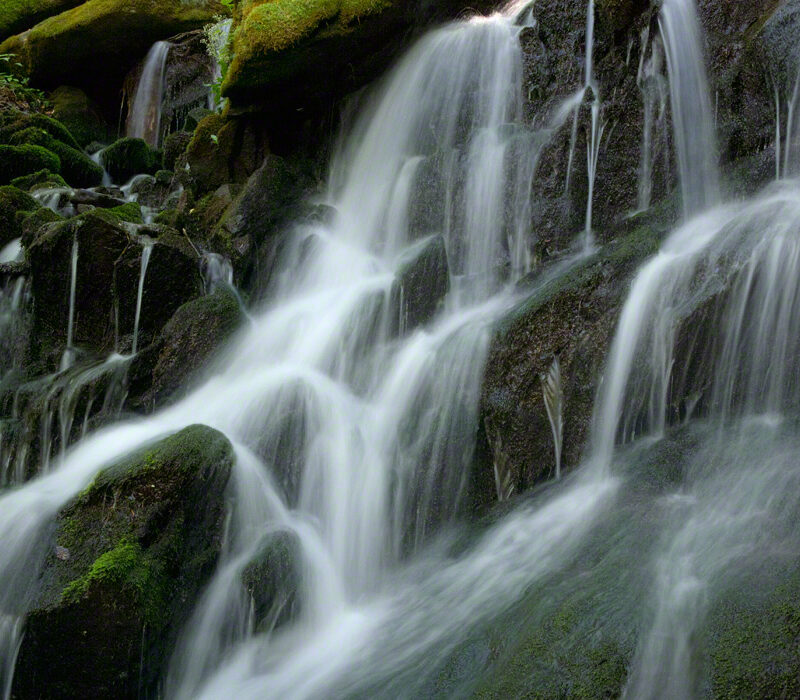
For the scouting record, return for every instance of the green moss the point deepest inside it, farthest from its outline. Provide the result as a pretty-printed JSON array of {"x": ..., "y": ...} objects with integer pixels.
[
  {"x": 128, "y": 157},
  {"x": 76, "y": 167},
  {"x": 33, "y": 223},
  {"x": 130, "y": 212},
  {"x": 20, "y": 122},
  {"x": 755, "y": 648},
  {"x": 16, "y": 161},
  {"x": 125, "y": 566},
  {"x": 39, "y": 178},
  {"x": 14, "y": 206},
  {"x": 18, "y": 15}
]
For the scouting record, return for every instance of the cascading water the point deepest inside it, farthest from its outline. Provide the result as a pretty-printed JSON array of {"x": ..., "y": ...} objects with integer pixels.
[
  {"x": 653, "y": 87},
  {"x": 147, "y": 249},
  {"x": 692, "y": 115},
  {"x": 144, "y": 113}
]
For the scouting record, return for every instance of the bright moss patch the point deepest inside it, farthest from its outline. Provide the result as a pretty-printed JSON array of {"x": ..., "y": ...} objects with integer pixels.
[
  {"x": 16, "y": 161},
  {"x": 130, "y": 212},
  {"x": 13, "y": 202},
  {"x": 38, "y": 179}
]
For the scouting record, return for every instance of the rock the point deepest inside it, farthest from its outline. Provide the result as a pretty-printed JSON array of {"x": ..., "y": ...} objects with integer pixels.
[
  {"x": 17, "y": 161},
  {"x": 573, "y": 317},
  {"x": 172, "y": 279},
  {"x": 14, "y": 205},
  {"x": 76, "y": 167},
  {"x": 84, "y": 119},
  {"x": 142, "y": 541},
  {"x": 96, "y": 199},
  {"x": 195, "y": 117},
  {"x": 273, "y": 579},
  {"x": 187, "y": 344},
  {"x": 128, "y": 157},
  {"x": 95, "y": 44},
  {"x": 33, "y": 223},
  {"x": 101, "y": 240},
  {"x": 174, "y": 146},
  {"x": 221, "y": 150},
  {"x": 41, "y": 178},
  {"x": 18, "y": 15},
  {"x": 423, "y": 280},
  {"x": 289, "y": 56}
]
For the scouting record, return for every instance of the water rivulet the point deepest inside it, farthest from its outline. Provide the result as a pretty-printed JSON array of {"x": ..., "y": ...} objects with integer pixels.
[{"x": 352, "y": 398}]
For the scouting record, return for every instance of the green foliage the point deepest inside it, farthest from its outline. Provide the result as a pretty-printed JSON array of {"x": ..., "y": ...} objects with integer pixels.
[{"x": 12, "y": 79}]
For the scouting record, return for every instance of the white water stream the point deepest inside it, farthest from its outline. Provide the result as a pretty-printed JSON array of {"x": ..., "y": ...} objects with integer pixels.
[{"x": 144, "y": 112}]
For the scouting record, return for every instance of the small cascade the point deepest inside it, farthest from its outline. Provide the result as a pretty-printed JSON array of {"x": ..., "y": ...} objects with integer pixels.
[
  {"x": 69, "y": 352},
  {"x": 653, "y": 87},
  {"x": 147, "y": 249},
  {"x": 56, "y": 199},
  {"x": 217, "y": 272},
  {"x": 97, "y": 158},
  {"x": 144, "y": 113},
  {"x": 692, "y": 113}
]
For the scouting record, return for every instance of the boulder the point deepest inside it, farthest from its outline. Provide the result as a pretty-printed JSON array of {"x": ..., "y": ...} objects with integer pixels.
[
  {"x": 94, "y": 45},
  {"x": 570, "y": 315},
  {"x": 289, "y": 56},
  {"x": 174, "y": 146},
  {"x": 116, "y": 576},
  {"x": 81, "y": 115},
  {"x": 423, "y": 280},
  {"x": 41, "y": 178},
  {"x": 18, "y": 121},
  {"x": 18, "y": 15},
  {"x": 14, "y": 206},
  {"x": 172, "y": 278},
  {"x": 33, "y": 223},
  {"x": 128, "y": 157},
  {"x": 185, "y": 347}
]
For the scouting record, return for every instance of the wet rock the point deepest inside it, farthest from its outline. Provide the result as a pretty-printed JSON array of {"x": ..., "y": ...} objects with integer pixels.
[
  {"x": 18, "y": 16},
  {"x": 96, "y": 199},
  {"x": 143, "y": 539},
  {"x": 195, "y": 117},
  {"x": 33, "y": 223},
  {"x": 572, "y": 317},
  {"x": 172, "y": 278},
  {"x": 185, "y": 348},
  {"x": 174, "y": 146},
  {"x": 423, "y": 280},
  {"x": 82, "y": 116},
  {"x": 273, "y": 579},
  {"x": 128, "y": 157}
]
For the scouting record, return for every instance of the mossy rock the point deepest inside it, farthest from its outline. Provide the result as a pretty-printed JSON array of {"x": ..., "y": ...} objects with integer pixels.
[
  {"x": 76, "y": 167},
  {"x": 130, "y": 212},
  {"x": 96, "y": 43},
  {"x": 18, "y": 122},
  {"x": 188, "y": 344},
  {"x": 17, "y": 161},
  {"x": 32, "y": 224},
  {"x": 195, "y": 117},
  {"x": 84, "y": 119},
  {"x": 18, "y": 15},
  {"x": 41, "y": 178},
  {"x": 13, "y": 202},
  {"x": 128, "y": 559},
  {"x": 130, "y": 156},
  {"x": 174, "y": 146}
]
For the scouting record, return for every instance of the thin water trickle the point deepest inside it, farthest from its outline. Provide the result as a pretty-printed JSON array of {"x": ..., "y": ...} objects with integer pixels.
[
  {"x": 147, "y": 250},
  {"x": 69, "y": 351}
]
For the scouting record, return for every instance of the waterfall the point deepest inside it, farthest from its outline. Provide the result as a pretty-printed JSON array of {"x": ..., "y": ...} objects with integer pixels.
[
  {"x": 144, "y": 113},
  {"x": 692, "y": 115},
  {"x": 653, "y": 88}
]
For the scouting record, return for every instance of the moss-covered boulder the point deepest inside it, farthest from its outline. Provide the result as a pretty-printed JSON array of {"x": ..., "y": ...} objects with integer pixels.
[
  {"x": 95, "y": 44},
  {"x": 19, "y": 121},
  {"x": 290, "y": 54},
  {"x": 174, "y": 146},
  {"x": 76, "y": 167},
  {"x": 84, "y": 119},
  {"x": 32, "y": 224},
  {"x": 41, "y": 178},
  {"x": 128, "y": 157},
  {"x": 14, "y": 206},
  {"x": 18, "y": 15},
  {"x": 186, "y": 346},
  {"x": 17, "y": 161},
  {"x": 128, "y": 559}
]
